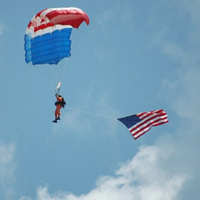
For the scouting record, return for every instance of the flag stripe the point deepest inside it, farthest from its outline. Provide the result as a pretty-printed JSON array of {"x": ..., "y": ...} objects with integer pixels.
[
  {"x": 156, "y": 112},
  {"x": 139, "y": 128},
  {"x": 149, "y": 120},
  {"x": 147, "y": 127},
  {"x": 141, "y": 133}
]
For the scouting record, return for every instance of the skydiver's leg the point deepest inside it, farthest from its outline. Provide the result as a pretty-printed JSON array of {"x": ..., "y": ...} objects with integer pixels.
[{"x": 56, "y": 116}]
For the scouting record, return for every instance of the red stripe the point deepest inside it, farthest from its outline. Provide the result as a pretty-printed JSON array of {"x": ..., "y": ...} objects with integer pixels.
[
  {"x": 136, "y": 137},
  {"x": 73, "y": 17},
  {"x": 146, "y": 114},
  {"x": 161, "y": 122},
  {"x": 38, "y": 14},
  {"x": 148, "y": 127},
  {"x": 43, "y": 26},
  {"x": 68, "y": 17},
  {"x": 147, "y": 120}
]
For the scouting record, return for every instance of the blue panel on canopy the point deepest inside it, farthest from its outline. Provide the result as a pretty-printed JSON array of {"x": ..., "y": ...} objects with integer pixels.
[{"x": 49, "y": 48}]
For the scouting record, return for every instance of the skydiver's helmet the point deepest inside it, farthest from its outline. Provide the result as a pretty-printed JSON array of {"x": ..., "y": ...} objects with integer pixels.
[{"x": 59, "y": 95}]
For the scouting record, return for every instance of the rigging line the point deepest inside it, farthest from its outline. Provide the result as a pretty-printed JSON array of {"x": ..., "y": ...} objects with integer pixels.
[
  {"x": 56, "y": 73},
  {"x": 49, "y": 77},
  {"x": 52, "y": 86},
  {"x": 65, "y": 67},
  {"x": 77, "y": 37},
  {"x": 79, "y": 34},
  {"x": 89, "y": 113}
]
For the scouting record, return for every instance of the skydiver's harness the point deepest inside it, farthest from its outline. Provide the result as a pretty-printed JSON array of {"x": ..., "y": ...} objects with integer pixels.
[{"x": 61, "y": 103}]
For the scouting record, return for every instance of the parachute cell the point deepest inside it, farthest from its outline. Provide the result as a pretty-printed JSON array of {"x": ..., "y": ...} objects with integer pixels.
[{"x": 47, "y": 38}]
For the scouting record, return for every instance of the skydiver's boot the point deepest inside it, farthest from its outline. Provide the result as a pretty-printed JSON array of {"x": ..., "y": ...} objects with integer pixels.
[
  {"x": 55, "y": 121},
  {"x": 58, "y": 118}
]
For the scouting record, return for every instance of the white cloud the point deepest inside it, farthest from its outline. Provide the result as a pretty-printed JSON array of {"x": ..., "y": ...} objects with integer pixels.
[
  {"x": 160, "y": 172},
  {"x": 2, "y": 28},
  {"x": 7, "y": 168},
  {"x": 183, "y": 97},
  {"x": 142, "y": 178},
  {"x": 181, "y": 43},
  {"x": 73, "y": 121},
  {"x": 118, "y": 12},
  {"x": 182, "y": 92},
  {"x": 107, "y": 20},
  {"x": 190, "y": 7},
  {"x": 25, "y": 198},
  {"x": 81, "y": 118}
]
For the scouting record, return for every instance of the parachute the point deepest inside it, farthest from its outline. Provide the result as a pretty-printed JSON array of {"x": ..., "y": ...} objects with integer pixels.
[{"x": 47, "y": 37}]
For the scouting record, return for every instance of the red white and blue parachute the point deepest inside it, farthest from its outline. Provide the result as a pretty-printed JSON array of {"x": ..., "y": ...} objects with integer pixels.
[{"x": 47, "y": 37}]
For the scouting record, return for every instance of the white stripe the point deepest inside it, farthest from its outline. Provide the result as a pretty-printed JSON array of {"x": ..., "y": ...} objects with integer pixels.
[
  {"x": 36, "y": 21},
  {"x": 144, "y": 113},
  {"x": 147, "y": 118},
  {"x": 146, "y": 123},
  {"x": 52, "y": 9},
  {"x": 161, "y": 121},
  {"x": 141, "y": 132},
  {"x": 146, "y": 129},
  {"x": 33, "y": 34},
  {"x": 155, "y": 112}
]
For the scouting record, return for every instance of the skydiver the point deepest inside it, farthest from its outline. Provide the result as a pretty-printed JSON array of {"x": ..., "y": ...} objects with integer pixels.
[{"x": 59, "y": 104}]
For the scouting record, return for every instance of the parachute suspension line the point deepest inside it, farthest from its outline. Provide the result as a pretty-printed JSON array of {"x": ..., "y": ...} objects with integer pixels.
[
  {"x": 89, "y": 113},
  {"x": 48, "y": 74},
  {"x": 67, "y": 59},
  {"x": 59, "y": 77},
  {"x": 57, "y": 89},
  {"x": 59, "y": 81},
  {"x": 64, "y": 69},
  {"x": 78, "y": 36},
  {"x": 56, "y": 73}
]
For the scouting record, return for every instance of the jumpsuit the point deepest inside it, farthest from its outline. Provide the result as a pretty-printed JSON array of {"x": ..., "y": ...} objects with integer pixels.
[{"x": 58, "y": 107}]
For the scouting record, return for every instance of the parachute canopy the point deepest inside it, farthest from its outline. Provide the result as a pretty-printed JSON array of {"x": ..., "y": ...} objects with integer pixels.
[{"x": 47, "y": 37}]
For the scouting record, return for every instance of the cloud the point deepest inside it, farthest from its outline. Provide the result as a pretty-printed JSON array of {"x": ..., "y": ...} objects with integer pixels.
[
  {"x": 117, "y": 17},
  {"x": 181, "y": 92},
  {"x": 191, "y": 8},
  {"x": 73, "y": 121},
  {"x": 142, "y": 178},
  {"x": 86, "y": 114},
  {"x": 118, "y": 12},
  {"x": 182, "y": 89},
  {"x": 179, "y": 39},
  {"x": 2, "y": 28},
  {"x": 25, "y": 198},
  {"x": 183, "y": 98},
  {"x": 170, "y": 168},
  {"x": 7, "y": 168}
]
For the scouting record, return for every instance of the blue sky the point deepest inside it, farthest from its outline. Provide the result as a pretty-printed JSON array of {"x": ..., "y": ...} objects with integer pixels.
[{"x": 135, "y": 56}]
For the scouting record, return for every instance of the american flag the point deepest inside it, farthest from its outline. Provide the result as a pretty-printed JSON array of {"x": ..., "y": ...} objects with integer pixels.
[{"x": 140, "y": 123}]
